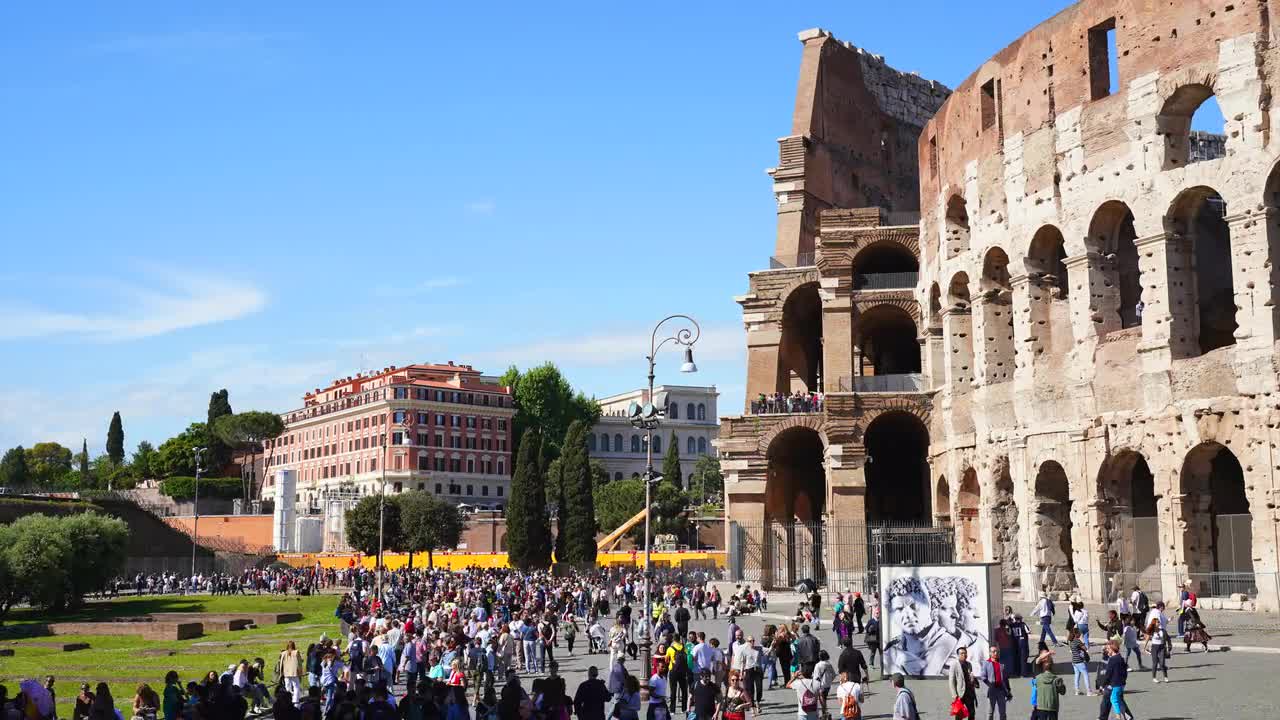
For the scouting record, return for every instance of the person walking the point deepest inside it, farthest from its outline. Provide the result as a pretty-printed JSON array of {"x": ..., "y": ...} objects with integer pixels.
[
  {"x": 747, "y": 660},
  {"x": 1158, "y": 644},
  {"x": 291, "y": 671},
  {"x": 591, "y": 696},
  {"x": 807, "y": 648},
  {"x": 871, "y": 637},
  {"x": 995, "y": 675},
  {"x": 705, "y": 699},
  {"x": 1079, "y": 661},
  {"x": 1114, "y": 677},
  {"x": 859, "y": 612},
  {"x": 1049, "y": 691},
  {"x": 1021, "y": 635},
  {"x": 904, "y": 702},
  {"x": 961, "y": 682},
  {"x": 1044, "y": 611},
  {"x": 808, "y": 695}
]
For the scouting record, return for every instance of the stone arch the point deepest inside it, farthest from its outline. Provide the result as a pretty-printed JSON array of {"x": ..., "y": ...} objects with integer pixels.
[
  {"x": 1128, "y": 521},
  {"x": 942, "y": 501},
  {"x": 994, "y": 311},
  {"x": 1173, "y": 123},
  {"x": 897, "y": 469},
  {"x": 1216, "y": 521},
  {"x": 795, "y": 501},
  {"x": 935, "y": 306},
  {"x": 957, "y": 224},
  {"x": 886, "y": 341},
  {"x": 1201, "y": 283},
  {"x": 1051, "y": 538},
  {"x": 800, "y": 346},
  {"x": 811, "y": 422},
  {"x": 1048, "y": 327},
  {"x": 968, "y": 531},
  {"x": 884, "y": 264},
  {"x": 1115, "y": 279}
]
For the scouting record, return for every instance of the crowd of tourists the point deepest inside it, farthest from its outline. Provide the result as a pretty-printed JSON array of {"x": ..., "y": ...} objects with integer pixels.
[
  {"x": 278, "y": 581},
  {"x": 487, "y": 643},
  {"x": 796, "y": 402}
]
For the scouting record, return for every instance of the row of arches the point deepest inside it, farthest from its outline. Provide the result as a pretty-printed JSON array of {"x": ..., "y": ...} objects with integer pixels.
[{"x": 691, "y": 411}]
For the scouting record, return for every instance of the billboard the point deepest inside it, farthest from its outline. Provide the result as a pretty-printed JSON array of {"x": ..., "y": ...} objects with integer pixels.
[{"x": 929, "y": 612}]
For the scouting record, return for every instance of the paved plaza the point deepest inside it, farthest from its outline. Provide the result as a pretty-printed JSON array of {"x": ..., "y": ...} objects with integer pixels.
[{"x": 1236, "y": 683}]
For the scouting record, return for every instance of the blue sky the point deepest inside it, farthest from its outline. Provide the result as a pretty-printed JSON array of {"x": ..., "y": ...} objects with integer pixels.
[{"x": 263, "y": 196}]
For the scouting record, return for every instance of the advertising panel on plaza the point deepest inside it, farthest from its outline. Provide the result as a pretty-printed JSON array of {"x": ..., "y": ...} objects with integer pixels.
[{"x": 928, "y": 612}]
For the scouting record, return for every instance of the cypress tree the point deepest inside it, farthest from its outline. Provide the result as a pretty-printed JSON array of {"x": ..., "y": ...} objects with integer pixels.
[
  {"x": 671, "y": 464},
  {"x": 577, "y": 511},
  {"x": 115, "y": 440},
  {"x": 528, "y": 528},
  {"x": 84, "y": 460},
  {"x": 217, "y": 452}
]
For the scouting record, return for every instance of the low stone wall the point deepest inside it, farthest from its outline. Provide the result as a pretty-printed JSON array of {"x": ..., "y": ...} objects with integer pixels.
[
  {"x": 259, "y": 619},
  {"x": 144, "y": 628}
]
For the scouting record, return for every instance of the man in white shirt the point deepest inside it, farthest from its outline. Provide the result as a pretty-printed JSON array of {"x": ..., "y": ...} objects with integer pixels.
[
  {"x": 1044, "y": 611},
  {"x": 658, "y": 694}
]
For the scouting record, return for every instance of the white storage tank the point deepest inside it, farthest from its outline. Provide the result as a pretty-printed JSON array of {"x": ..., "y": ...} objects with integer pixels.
[
  {"x": 282, "y": 524},
  {"x": 309, "y": 534}
]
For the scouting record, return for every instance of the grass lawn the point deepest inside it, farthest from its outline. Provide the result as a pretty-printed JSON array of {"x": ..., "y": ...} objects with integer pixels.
[{"x": 118, "y": 660}]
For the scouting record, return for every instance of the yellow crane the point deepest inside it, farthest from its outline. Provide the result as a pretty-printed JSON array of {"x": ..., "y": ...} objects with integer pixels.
[{"x": 610, "y": 541}]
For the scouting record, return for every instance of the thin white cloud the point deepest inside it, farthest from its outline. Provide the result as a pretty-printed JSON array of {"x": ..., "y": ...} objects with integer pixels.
[
  {"x": 132, "y": 312},
  {"x": 482, "y": 206},
  {"x": 183, "y": 43},
  {"x": 425, "y": 286}
]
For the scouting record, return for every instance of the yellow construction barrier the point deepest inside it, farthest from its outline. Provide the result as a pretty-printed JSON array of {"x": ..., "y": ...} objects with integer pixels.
[{"x": 461, "y": 560}]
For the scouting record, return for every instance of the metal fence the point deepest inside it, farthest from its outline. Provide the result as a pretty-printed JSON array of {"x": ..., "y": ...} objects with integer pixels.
[
  {"x": 778, "y": 262},
  {"x": 904, "y": 382},
  {"x": 885, "y": 281},
  {"x": 843, "y": 555}
]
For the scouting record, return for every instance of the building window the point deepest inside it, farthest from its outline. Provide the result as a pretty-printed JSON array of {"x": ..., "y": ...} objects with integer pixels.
[
  {"x": 499, "y": 493},
  {"x": 484, "y": 490},
  {"x": 673, "y": 411},
  {"x": 422, "y": 439},
  {"x": 591, "y": 443},
  {"x": 402, "y": 393},
  {"x": 702, "y": 411},
  {"x": 500, "y": 467},
  {"x": 397, "y": 438},
  {"x": 422, "y": 418},
  {"x": 691, "y": 447},
  {"x": 702, "y": 446},
  {"x": 439, "y": 488},
  {"x": 471, "y": 490},
  {"x": 657, "y": 444},
  {"x": 455, "y": 465},
  {"x": 604, "y": 442},
  {"x": 471, "y": 466},
  {"x": 502, "y": 424},
  {"x": 439, "y": 420},
  {"x": 1103, "y": 62},
  {"x": 689, "y": 412},
  {"x": 617, "y": 476},
  {"x": 617, "y": 443},
  {"x": 424, "y": 462},
  {"x": 635, "y": 443}
]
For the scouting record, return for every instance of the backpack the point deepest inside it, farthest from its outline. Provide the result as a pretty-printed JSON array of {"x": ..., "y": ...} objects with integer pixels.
[
  {"x": 851, "y": 710},
  {"x": 1143, "y": 604},
  {"x": 809, "y": 699}
]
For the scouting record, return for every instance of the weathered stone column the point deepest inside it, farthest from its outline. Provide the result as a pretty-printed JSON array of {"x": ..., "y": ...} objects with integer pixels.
[
  {"x": 1024, "y": 495},
  {"x": 762, "y": 360},
  {"x": 1253, "y": 279},
  {"x": 846, "y": 550},
  {"x": 957, "y": 328},
  {"x": 933, "y": 353},
  {"x": 1095, "y": 297},
  {"x": 838, "y": 354},
  {"x": 1169, "y": 316},
  {"x": 993, "y": 341}
]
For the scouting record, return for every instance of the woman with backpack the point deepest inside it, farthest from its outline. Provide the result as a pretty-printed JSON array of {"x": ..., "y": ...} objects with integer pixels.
[
  {"x": 1158, "y": 645},
  {"x": 849, "y": 695}
]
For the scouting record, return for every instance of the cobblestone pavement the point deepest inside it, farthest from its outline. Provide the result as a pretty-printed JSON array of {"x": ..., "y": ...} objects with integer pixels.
[{"x": 1220, "y": 684}]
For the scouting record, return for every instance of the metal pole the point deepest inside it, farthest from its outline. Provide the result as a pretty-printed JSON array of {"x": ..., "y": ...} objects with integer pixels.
[
  {"x": 646, "y": 645},
  {"x": 382, "y": 502},
  {"x": 195, "y": 526}
]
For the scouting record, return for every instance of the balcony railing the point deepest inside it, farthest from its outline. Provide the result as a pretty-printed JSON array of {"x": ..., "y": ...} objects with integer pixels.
[
  {"x": 885, "y": 281},
  {"x": 905, "y": 382},
  {"x": 791, "y": 261},
  {"x": 779, "y": 404}
]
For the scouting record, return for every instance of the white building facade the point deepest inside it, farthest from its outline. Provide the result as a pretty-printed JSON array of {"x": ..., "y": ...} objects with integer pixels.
[{"x": 691, "y": 417}]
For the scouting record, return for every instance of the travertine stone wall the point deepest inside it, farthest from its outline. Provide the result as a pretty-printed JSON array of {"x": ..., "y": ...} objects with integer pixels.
[{"x": 1035, "y": 145}]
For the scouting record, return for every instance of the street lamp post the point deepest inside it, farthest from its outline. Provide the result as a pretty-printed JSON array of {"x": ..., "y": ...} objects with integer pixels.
[
  {"x": 195, "y": 525},
  {"x": 382, "y": 504},
  {"x": 649, "y": 421}
]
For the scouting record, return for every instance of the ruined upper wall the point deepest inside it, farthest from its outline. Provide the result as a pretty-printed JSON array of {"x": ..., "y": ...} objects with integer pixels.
[
  {"x": 1046, "y": 73},
  {"x": 853, "y": 138}
]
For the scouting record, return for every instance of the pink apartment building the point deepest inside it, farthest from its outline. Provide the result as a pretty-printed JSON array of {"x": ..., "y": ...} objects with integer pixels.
[{"x": 444, "y": 429}]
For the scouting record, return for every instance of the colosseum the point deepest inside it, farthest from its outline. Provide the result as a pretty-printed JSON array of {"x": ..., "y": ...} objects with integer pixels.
[{"x": 1031, "y": 320}]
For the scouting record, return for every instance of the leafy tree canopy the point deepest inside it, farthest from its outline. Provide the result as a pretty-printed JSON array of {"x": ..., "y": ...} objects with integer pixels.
[
  {"x": 671, "y": 470},
  {"x": 48, "y": 462},
  {"x": 362, "y": 524},
  {"x": 176, "y": 456},
  {"x": 706, "y": 481},
  {"x": 13, "y": 469},
  {"x": 115, "y": 439},
  {"x": 428, "y": 523},
  {"x": 545, "y": 400}
]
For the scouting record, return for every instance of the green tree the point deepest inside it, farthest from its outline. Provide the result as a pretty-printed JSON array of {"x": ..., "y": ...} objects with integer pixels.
[
  {"x": 528, "y": 528},
  {"x": 427, "y": 524},
  {"x": 82, "y": 460},
  {"x": 599, "y": 475},
  {"x": 101, "y": 544},
  {"x": 48, "y": 462},
  {"x": 10, "y": 587},
  {"x": 544, "y": 400},
  {"x": 176, "y": 456},
  {"x": 706, "y": 481},
  {"x": 577, "y": 543},
  {"x": 219, "y": 453},
  {"x": 618, "y": 501},
  {"x": 249, "y": 430},
  {"x": 144, "y": 461},
  {"x": 115, "y": 439},
  {"x": 671, "y": 472},
  {"x": 13, "y": 470},
  {"x": 41, "y": 555},
  {"x": 362, "y": 525},
  {"x": 670, "y": 507}
]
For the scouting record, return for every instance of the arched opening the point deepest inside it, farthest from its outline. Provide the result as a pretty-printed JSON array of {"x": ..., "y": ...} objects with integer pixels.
[
  {"x": 942, "y": 502},
  {"x": 935, "y": 306},
  {"x": 800, "y": 349},
  {"x": 1193, "y": 127},
  {"x": 957, "y": 223},
  {"x": 885, "y": 265},
  {"x": 958, "y": 334},
  {"x": 996, "y": 315},
  {"x": 897, "y": 469},
  {"x": 1051, "y": 540},
  {"x": 1219, "y": 527},
  {"x": 1005, "y": 524},
  {"x": 1049, "y": 329},
  {"x": 1131, "y": 555},
  {"x": 968, "y": 532},
  {"x": 1111, "y": 238},
  {"x": 1204, "y": 304},
  {"x": 795, "y": 500},
  {"x": 885, "y": 346}
]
